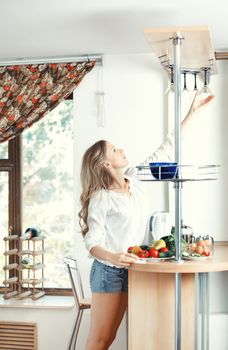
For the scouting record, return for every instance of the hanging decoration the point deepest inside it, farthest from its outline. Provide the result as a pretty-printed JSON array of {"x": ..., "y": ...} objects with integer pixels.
[
  {"x": 100, "y": 99},
  {"x": 28, "y": 92}
]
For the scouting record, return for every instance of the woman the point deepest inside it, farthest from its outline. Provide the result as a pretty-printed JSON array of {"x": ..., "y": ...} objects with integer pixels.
[{"x": 114, "y": 216}]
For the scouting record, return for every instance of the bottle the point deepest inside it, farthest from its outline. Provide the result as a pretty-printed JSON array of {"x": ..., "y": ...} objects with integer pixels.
[{"x": 31, "y": 232}]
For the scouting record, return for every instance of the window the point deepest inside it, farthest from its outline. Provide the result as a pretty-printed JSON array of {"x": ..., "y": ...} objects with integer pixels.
[
  {"x": 4, "y": 150},
  {"x": 47, "y": 189}
]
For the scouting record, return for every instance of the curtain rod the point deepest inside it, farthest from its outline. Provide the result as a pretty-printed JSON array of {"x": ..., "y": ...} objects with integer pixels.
[
  {"x": 56, "y": 59},
  {"x": 222, "y": 55}
]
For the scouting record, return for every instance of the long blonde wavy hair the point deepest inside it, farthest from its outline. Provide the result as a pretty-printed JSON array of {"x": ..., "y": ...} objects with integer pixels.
[{"x": 94, "y": 177}]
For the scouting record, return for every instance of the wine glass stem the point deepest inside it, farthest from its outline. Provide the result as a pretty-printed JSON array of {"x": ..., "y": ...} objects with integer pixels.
[
  {"x": 185, "y": 86},
  {"x": 195, "y": 76}
]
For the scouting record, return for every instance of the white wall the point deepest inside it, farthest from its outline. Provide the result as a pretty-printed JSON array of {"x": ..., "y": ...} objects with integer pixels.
[
  {"x": 136, "y": 119},
  {"x": 54, "y": 326}
]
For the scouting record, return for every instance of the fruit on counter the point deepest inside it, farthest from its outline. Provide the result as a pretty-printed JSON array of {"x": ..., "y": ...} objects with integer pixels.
[
  {"x": 153, "y": 253},
  {"x": 206, "y": 251},
  {"x": 157, "y": 250},
  {"x": 145, "y": 247},
  {"x": 200, "y": 248},
  {"x": 135, "y": 249},
  {"x": 192, "y": 247},
  {"x": 164, "y": 250},
  {"x": 201, "y": 243},
  {"x": 170, "y": 241},
  {"x": 207, "y": 242},
  {"x": 167, "y": 254},
  {"x": 143, "y": 254},
  {"x": 159, "y": 244},
  {"x": 162, "y": 255}
]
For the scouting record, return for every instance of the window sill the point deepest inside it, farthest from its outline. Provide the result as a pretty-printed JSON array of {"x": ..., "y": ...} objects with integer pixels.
[{"x": 46, "y": 302}]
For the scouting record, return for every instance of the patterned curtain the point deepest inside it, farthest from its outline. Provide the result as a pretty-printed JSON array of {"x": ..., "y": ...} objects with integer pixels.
[{"x": 28, "y": 92}]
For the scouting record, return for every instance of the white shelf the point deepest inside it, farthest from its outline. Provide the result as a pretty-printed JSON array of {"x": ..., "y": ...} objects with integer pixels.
[{"x": 196, "y": 47}]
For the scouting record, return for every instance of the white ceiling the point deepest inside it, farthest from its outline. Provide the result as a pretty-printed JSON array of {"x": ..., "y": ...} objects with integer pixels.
[{"x": 48, "y": 28}]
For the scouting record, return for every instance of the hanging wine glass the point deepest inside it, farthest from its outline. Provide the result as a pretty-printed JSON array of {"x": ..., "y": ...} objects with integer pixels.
[
  {"x": 171, "y": 88},
  {"x": 195, "y": 81},
  {"x": 185, "y": 89},
  {"x": 205, "y": 89}
]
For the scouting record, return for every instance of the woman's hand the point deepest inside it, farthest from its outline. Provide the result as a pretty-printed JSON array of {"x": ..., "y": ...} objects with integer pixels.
[
  {"x": 123, "y": 259},
  {"x": 199, "y": 103}
]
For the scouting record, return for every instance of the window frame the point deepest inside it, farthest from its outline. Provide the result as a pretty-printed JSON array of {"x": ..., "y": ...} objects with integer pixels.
[{"x": 13, "y": 165}]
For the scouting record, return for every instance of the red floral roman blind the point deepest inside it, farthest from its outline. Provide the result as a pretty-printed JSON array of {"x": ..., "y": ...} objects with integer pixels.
[{"x": 28, "y": 92}]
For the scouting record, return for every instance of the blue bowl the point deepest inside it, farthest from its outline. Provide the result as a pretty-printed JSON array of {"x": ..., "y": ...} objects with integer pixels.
[{"x": 163, "y": 170}]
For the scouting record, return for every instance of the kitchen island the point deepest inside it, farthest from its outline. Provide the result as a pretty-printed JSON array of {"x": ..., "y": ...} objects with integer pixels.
[{"x": 151, "y": 314}]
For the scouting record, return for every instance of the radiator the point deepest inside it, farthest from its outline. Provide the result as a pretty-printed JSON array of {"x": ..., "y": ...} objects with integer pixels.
[{"x": 18, "y": 336}]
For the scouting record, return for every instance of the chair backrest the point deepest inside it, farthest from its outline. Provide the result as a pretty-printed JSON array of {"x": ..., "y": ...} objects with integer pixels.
[{"x": 75, "y": 279}]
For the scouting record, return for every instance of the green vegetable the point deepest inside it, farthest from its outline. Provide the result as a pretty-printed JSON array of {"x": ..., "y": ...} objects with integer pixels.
[
  {"x": 163, "y": 255},
  {"x": 167, "y": 254},
  {"x": 170, "y": 241}
]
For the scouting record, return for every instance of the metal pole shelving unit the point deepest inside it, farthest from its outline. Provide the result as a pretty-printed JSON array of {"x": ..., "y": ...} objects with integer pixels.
[{"x": 167, "y": 44}]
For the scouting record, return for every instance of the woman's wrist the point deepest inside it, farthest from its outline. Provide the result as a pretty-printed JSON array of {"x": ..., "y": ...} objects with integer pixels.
[
  {"x": 108, "y": 256},
  {"x": 101, "y": 253}
]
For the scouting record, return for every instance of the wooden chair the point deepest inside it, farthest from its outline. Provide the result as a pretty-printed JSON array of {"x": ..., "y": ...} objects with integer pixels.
[{"x": 80, "y": 301}]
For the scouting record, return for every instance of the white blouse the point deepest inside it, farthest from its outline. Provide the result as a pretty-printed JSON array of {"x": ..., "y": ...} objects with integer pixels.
[{"x": 116, "y": 220}]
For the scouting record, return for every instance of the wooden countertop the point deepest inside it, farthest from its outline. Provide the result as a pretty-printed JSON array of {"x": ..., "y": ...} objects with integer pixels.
[{"x": 218, "y": 262}]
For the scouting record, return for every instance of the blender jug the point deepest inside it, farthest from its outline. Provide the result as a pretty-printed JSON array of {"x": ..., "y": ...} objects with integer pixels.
[{"x": 159, "y": 225}]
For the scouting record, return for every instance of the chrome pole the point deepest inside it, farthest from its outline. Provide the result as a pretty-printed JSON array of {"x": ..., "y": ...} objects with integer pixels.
[
  {"x": 204, "y": 302},
  {"x": 177, "y": 103},
  {"x": 197, "y": 312},
  {"x": 178, "y": 311},
  {"x": 177, "y": 83}
]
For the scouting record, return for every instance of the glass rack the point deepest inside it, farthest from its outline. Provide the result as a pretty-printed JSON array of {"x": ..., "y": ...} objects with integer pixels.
[{"x": 183, "y": 173}]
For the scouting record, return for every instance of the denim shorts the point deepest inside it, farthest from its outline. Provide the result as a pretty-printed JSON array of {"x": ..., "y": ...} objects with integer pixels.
[{"x": 108, "y": 279}]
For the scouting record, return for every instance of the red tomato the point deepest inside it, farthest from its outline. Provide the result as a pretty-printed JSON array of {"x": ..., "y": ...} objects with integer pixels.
[
  {"x": 206, "y": 253},
  {"x": 163, "y": 250},
  {"x": 143, "y": 254},
  {"x": 153, "y": 253}
]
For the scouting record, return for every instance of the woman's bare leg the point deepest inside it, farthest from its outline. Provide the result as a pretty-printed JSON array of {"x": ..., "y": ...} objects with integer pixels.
[{"x": 107, "y": 312}]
